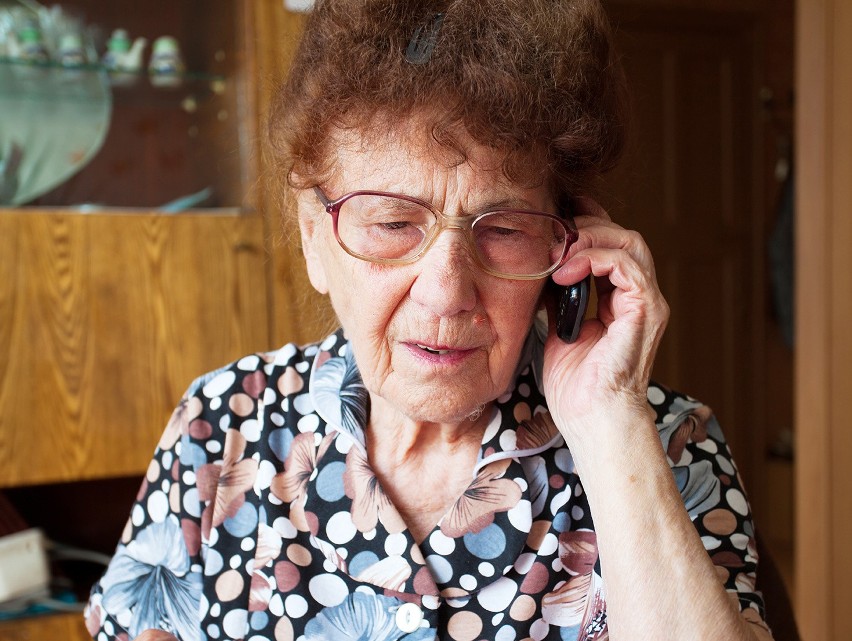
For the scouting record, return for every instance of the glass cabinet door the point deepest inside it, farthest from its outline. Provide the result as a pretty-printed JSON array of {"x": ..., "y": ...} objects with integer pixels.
[{"x": 150, "y": 115}]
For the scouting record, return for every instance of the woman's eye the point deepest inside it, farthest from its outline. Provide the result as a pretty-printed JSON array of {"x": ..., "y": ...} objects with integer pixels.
[
  {"x": 502, "y": 231},
  {"x": 394, "y": 225}
]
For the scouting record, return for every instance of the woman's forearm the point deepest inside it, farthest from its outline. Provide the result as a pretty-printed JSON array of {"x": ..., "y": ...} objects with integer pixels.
[{"x": 660, "y": 581}]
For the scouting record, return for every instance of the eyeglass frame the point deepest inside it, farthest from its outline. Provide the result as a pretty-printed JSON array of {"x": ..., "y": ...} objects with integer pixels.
[{"x": 443, "y": 221}]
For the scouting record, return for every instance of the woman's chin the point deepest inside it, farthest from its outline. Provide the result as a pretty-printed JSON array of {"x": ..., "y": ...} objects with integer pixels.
[{"x": 436, "y": 405}]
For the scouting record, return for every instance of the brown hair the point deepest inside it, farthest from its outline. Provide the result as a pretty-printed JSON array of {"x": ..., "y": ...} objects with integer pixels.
[{"x": 536, "y": 79}]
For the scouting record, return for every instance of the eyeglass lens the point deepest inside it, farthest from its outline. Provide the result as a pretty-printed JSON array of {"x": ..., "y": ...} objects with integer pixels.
[{"x": 384, "y": 227}]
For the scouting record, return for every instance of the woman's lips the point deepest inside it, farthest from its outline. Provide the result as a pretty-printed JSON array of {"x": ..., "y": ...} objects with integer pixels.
[{"x": 438, "y": 353}]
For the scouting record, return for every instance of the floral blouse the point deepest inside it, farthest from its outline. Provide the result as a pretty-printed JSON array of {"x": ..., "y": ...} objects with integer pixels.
[{"x": 260, "y": 518}]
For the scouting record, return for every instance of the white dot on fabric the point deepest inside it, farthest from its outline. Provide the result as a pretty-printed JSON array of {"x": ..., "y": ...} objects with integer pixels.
[
  {"x": 396, "y": 544},
  {"x": 710, "y": 542},
  {"x": 328, "y": 590},
  {"x": 308, "y": 423},
  {"x": 520, "y": 516},
  {"x": 497, "y": 596},
  {"x": 235, "y": 561},
  {"x": 158, "y": 506},
  {"x": 340, "y": 529},
  {"x": 539, "y": 630},
  {"x": 219, "y": 385},
  {"x": 235, "y": 623},
  {"x": 559, "y": 500},
  {"x": 284, "y": 354},
  {"x": 497, "y": 619},
  {"x": 493, "y": 426},
  {"x": 247, "y": 544},
  {"x": 265, "y": 473},
  {"x": 302, "y": 367},
  {"x": 725, "y": 464},
  {"x": 268, "y": 396},
  {"x": 296, "y": 606},
  {"x": 441, "y": 543},
  {"x": 213, "y": 631},
  {"x": 506, "y": 633},
  {"x": 739, "y": 540},
  {"x": 486, "y": 569},
  {"x": 655, "y": 395},
  {"x": 214, "y": 447},
  {"x": 248, "y": 363},
  {"x": 548, "y": 545},
  {"x": 303, "y": 404},
  {"x": 508, "y": 440},
  {"x": 430, "y": 602},
  {"x": 440, "y": 567},
  {"x": 468, "y": 582},
  {"x": 285, "y": 527},
  {"x": 251, "y": 430},
  {"x": 276, "y": 605},
  {"x": 708, "y": 445},
  {"x": 524, "y": 562},
  {"x": 191, "y": 503},
  {"x": 737, "y": 501},
  {"x": 137, "y": 515}
]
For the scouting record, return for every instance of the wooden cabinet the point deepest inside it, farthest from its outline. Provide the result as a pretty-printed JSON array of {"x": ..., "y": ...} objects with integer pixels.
[
  {"x": 66, "y": 626},
  {"x": 106, "y": 317}
]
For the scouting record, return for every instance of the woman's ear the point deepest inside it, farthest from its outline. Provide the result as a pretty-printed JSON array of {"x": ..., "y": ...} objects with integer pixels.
[{"x": 311, "y": 230}]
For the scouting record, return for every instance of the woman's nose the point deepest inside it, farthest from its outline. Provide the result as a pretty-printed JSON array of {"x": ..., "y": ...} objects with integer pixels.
[{"x": 445, "y": 284}]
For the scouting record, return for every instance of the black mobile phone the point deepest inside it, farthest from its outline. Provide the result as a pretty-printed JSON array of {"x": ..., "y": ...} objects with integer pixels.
[{"x": 571, "y": 303}]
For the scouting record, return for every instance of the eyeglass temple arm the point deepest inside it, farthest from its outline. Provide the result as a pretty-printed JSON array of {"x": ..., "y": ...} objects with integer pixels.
[{"x": 322, "y": 197}]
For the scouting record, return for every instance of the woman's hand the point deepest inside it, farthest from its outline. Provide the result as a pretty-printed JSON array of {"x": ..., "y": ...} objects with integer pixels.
[
  {"x": 156, "y": 635},
  {"x": 607, "y": 369}
]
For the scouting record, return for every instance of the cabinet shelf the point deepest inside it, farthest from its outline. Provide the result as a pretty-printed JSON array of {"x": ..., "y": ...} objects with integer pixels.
[{"x": 24, "y": 82}]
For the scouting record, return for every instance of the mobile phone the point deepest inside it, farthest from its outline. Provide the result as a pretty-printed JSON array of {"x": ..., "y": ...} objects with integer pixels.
[{"x": 571, "y": 303}]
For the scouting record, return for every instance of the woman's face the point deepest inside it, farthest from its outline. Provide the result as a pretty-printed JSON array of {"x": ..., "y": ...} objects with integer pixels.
[{"x": 440, "y": 338}]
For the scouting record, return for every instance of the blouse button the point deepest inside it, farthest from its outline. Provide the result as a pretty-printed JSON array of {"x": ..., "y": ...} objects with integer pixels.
[{"x": 408, "y": 617}]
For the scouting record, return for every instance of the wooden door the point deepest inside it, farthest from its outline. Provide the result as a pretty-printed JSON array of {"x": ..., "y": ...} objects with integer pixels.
[{"x": 697, "y": 182}]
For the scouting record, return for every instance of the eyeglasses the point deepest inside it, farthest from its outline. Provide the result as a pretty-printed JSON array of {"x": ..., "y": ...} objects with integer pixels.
[{"x": 393, "y": 229}]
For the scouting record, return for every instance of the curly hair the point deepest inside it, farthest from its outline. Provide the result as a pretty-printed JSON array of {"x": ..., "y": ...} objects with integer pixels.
[{"x": 535, "y": 79}]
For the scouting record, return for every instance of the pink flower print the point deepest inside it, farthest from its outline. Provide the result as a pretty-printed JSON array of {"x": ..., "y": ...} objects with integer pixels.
[
  {"x": 235, "y": 479},
  {"x": 535, "y": 432},
  {"x": 488, "y": 494},
  {"x": 370, "y": 504},
  {"x": 291, "y": 484}
]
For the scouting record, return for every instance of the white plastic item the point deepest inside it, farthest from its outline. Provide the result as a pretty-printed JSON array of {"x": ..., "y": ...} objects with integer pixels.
[{"x": 23, "y": 564}]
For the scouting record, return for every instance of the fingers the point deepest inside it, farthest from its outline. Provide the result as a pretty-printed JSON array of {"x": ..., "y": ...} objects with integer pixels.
[
  {"x": 621, "y": 263},
  {"x": 603, "y": 235}
]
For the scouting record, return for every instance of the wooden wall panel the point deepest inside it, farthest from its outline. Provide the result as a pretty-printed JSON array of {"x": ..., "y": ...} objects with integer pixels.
[
  {"x": 105, "y": 320},
  {"x": 299, "y": 314},
  {"x": 688, "y": 183},
  {"x": 824, "y": 309}
]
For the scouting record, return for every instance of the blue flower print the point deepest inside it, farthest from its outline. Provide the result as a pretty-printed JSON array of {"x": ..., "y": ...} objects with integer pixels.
[
  {"x": 340, "y": 396},
  {"x": 151, "y": 577},
  {"x": 362, "y": 617}
]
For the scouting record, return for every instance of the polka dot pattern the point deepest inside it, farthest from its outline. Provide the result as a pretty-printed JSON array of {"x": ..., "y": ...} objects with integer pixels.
[{"x": 287, "y": 534}]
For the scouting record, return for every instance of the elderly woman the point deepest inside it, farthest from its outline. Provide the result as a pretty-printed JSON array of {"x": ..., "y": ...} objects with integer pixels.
[{"x": 445, "y": 466}]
